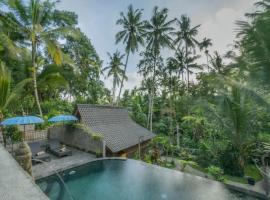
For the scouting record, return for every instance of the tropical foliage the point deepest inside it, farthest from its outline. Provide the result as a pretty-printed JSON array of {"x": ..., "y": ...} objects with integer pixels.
[{"x": 210, "y": 114}]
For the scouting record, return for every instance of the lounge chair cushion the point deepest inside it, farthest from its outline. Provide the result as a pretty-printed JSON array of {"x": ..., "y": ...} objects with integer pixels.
[
  {"x": 40, "y": 153},
  {"x": 57, "y": 149}
]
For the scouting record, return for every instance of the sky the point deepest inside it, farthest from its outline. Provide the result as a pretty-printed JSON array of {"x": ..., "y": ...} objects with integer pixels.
[{"x": 97, "y": 19}]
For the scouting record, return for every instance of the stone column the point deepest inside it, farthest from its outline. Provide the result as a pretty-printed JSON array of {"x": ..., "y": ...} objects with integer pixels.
[
  {"x": 104, "y": 148},
  {"x": 23, "y": 156}
]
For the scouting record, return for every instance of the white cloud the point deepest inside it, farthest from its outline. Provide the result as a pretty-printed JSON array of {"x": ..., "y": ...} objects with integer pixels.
[
  {"x": 134, "y": 79},
  {"x": 97, "y": 19},
  {"x": 220, "y": 26}
]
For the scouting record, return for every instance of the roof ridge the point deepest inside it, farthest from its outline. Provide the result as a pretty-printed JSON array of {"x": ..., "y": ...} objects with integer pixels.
[{"x": 102, "y": 106}]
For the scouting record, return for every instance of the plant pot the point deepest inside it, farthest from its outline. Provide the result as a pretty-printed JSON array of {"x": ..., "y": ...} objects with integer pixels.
[{"x": 251, "y": 181}]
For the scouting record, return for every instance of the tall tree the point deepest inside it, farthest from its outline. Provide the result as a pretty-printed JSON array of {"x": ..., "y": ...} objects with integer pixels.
[
  {"x": 238, "y": 108},
  {"x": 157, "y": 34},
  {"x": 204, "y": 45},
  {"x": 33, "y": 22},
  {"x": 8, "y": 95},
  {"x": 186, "y": 35},
  {"x": 178, "y": 61},
  {"x": 133, "y": 28},
  {"x": 255, "y": 40},
  {"x": 84, "y": 82},
  {"x": 217, "y": 62},
  {"x": 115, "y": 70}
]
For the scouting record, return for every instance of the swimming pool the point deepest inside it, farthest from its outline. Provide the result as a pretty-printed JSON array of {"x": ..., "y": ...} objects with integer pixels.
[{"x": 132, "y": 180}]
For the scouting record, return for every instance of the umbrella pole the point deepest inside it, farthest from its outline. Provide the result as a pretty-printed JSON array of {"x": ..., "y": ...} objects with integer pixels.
[{"x": 23, "y": 133}]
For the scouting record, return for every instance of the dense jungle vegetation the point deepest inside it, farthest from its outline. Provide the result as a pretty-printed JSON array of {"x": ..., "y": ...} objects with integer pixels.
[{"x": 213, "y": 113}]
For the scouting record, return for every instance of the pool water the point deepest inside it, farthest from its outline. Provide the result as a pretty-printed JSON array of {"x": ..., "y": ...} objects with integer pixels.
[{"x": 132, "y": 180}]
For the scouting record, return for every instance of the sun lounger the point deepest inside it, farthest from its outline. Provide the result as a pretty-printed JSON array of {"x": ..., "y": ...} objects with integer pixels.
[
  {"x": 57, "y": 149},
  {"x": 38, "y": 152}
]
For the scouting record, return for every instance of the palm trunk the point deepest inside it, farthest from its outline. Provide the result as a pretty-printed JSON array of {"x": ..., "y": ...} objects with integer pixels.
[
  {"x": 34, "y": 65},
  {"x": 182, "y": 76},
  {"x": 187, "y": 67},
  {"x": 122, "y": 81},
  {"x": 171, "y": 107},
  {"x": 152, "y": 94},
  {"x": 149, "y": 109},
  {"x": 2, "y": 129},
  {"x": 113, "y": 94},
  {"x": 207, "y": 59}
]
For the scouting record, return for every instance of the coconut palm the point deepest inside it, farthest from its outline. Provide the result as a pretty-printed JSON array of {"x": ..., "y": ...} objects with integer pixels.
[
  {"x": 204, "y": 45},
  {"x": 8, "y": 95},
  {"x": 157, "y": 34},
  {"x": 131, "y": 34},
  {"x": 178, "y": 61},
  {"x": 238, "y": 108},
  {"x": 217, "y": 62},
  {"x": 186, "y": 35},
  {"x": 255, "y": 41},
  {"x": 33, "y": 21},
  {"x": 115, "y": 70}
]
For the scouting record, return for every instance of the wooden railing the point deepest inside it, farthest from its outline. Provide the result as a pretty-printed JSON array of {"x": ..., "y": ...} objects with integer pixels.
[{"x": 35, "y": 135}]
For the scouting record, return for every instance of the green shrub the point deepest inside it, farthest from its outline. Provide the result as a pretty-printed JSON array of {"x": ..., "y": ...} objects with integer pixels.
[
  {"x": 229, "y": 161},
  {"x": 216, "y": 172},
  {"x": 95, "y": 136},
  {"x": 185, "y": 163},
  {"x": 254, "y": 172},
  {"x": 13, "y": 133}
]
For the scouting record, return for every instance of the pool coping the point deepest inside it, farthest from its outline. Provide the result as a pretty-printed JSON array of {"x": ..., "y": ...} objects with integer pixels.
[
  {"x": 249, "y": 191},
  {"x": 230, "y": 186},
  {"x": 76, "y": 165}
]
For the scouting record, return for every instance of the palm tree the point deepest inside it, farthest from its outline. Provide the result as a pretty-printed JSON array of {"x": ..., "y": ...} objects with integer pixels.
[
  {"x": 7, "y": 95},
  {"x": 217, "y": 62},
  {"x": 115, "y": 70},
  {"x": 131, "y": 35},
  {"x": 157, "y": 36},
  {"x": 204, "y": 45},
  {"x": 178, "y": 61},
  {"x": 33, "y": 23},
  {"x": 186, "y": 34},
  {"x": 238, "y": 107},
  {"x": 255, "y": 42}
]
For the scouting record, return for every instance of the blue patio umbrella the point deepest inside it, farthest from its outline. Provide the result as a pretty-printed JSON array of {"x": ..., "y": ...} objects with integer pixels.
[
  {"x": 22, "y": 120},
  {"x": 63, "y": 118}
]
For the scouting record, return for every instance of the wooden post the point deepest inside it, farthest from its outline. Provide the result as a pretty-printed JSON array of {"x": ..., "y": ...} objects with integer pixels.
[
  {"x": 103, "y": 148},
  {"x": 139, "y": 147},
  {"x": 177, "y": 135}
]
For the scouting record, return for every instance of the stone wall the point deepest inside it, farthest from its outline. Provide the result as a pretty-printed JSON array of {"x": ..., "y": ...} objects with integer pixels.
[{"x": 75, "y": 137}]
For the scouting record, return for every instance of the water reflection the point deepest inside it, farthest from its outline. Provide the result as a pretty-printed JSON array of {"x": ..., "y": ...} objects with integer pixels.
[{"x": 133, "y": 180}]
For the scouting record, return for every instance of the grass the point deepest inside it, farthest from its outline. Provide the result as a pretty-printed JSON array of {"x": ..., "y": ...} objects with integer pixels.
[
  {"x": 235, "y": 179},
  {"x": 199, "y": 168},
  {"x": 250, "y": 170}
]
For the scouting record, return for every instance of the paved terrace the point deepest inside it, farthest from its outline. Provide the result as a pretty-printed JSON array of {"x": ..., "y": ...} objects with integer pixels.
[
  {"x": 15, "y": 183},
  {"x": 58, "y": 164}
]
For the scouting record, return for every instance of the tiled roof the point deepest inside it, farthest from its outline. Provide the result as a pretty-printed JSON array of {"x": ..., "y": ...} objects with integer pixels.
[{"x": 118, "y": 129}]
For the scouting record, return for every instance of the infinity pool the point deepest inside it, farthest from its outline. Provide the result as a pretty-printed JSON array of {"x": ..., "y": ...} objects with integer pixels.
[{"x": 132, "y": 180}]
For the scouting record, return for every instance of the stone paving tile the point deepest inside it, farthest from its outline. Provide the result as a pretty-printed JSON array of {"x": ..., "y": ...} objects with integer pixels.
[
  {"x": 15, "y": 183},
  {"x": 58, "y": 164}
]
